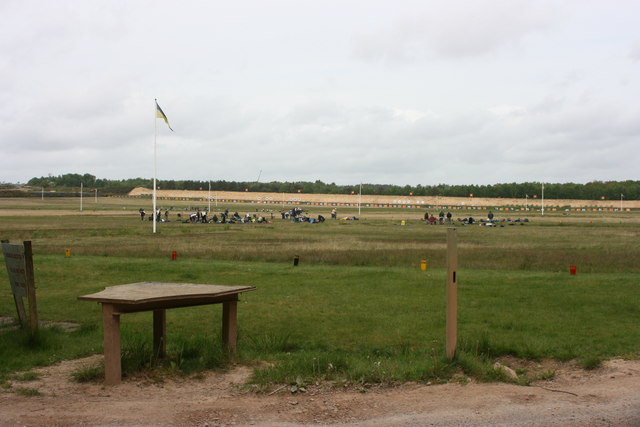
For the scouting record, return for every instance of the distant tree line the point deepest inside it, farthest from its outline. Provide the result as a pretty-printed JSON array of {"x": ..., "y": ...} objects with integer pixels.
[{"x": 596, "y": 190}]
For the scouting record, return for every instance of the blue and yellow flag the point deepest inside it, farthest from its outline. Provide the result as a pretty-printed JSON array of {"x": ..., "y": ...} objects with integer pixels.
[{"x": 160, "y": 115}]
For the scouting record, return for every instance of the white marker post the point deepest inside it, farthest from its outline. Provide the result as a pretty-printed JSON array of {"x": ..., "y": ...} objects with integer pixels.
[
  {"x": 155, "y": 163},
  {"x": 452, "y": 293},
  {"x": 80, "y": 197}
]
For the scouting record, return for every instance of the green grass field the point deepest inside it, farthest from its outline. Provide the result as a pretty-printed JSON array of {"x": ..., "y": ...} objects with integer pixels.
[{"x": 357, "y": 308}]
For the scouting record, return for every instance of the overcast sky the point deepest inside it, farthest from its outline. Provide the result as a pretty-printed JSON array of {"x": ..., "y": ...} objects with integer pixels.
[{"x": 398, "y": 92}]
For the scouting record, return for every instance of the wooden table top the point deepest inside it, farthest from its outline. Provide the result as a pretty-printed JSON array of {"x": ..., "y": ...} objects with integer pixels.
[{"x": 145, "y": 292}]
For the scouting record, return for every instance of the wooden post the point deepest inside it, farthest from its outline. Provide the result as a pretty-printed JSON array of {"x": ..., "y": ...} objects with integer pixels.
[
  {"x": 112, "y": 356},
  {"x": 452, "y": 293},
  {"x": 15, "y": 277},
  {"x": 31, "y": 287},
  {"x": 230, "y": 325},
  {"x": 159, "y": 333}
]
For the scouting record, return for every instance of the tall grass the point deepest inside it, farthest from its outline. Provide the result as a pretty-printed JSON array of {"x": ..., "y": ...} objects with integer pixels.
[
  {"x": 546, "y": 246},
  {"x": 356, "y": 309}
]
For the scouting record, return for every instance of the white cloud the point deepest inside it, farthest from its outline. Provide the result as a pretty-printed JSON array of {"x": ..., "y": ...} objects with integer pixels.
[
  {"x": 410, "y": 92},
  {"x": 455, "y": 29}
]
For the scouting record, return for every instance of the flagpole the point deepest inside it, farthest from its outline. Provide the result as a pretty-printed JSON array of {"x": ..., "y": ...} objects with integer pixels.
[
  {"x": 209, "y": 210},
  {"x": 360, "y": 199},
  {"x": 81, "y": 197},
  {"x": 621, "y": 196},
  {"x": 543, "y": 199},
  {"x": 155, "y": 169}
]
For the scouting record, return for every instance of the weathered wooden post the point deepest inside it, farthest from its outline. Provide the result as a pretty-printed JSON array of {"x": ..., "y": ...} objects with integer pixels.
[
  {"x": 19, "y": 262},
  {"x": 31, "y": 286},
  {"x": 452, "y": 293}
]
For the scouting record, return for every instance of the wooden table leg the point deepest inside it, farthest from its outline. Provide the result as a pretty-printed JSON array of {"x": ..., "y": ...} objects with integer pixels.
[
  {"x": 159, "y": 333},
  {"x": 112, "y": 361},
  {"x": 230, "y": 325}
]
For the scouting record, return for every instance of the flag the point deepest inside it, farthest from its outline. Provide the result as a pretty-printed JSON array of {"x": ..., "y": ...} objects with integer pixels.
[{"x": 160, "y": 115}]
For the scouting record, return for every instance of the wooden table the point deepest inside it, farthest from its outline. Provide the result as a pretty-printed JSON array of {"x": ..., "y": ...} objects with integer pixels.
[{"x": 157, "y": 297}]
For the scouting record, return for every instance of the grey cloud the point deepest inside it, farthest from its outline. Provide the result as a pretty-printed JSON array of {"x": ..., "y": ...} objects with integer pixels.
[
  {"x": 468, "y": 92},
  {"x": 635, "y": 51},
  {"x": 454, "y": 30}
]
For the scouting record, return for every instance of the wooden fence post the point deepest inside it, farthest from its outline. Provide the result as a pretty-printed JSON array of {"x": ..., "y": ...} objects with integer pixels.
[
  {"x": 19, "y": 261},
  {"x": 31, "y": 286},
  {"x": 452, "y": 293}
]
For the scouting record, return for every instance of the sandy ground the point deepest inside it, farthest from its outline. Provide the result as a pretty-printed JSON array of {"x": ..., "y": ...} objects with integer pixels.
[{"x": 608, "y": 396}]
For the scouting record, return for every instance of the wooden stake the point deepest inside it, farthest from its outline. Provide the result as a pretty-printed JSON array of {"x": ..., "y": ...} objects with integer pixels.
[
  {"x": 452, "y": 293},
  {"x": 31, "y": 287}
]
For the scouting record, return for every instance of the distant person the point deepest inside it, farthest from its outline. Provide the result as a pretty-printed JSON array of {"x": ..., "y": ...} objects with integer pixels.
[
  {"x": 449, "y": 217},
  {"x": 334, "y": 213},
  {"x": 142, "y": 214},
  {"x": 490, "y": 216}
]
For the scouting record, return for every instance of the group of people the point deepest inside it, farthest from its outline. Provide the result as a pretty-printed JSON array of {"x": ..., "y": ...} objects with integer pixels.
[
  {"x": 201, "y": 216},
  {"x": 298, "y": 215},
  {"x": 158, "y": 215},
  {"x": 226, "y": 218},
  {"x": 489, "y": 221},
  {"x": 431, "y": 219}
]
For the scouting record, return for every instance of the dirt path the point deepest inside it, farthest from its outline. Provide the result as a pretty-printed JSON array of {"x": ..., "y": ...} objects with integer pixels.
[{"x": 609, "y": 396}]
